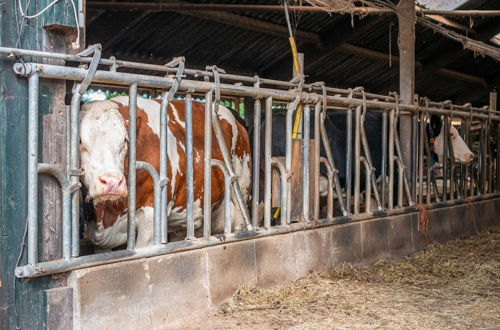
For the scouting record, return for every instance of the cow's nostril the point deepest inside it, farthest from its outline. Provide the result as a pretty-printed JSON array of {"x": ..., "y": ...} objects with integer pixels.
[
  {"x": 102, "y": 180},
  {"x": 122, "y": 181}
]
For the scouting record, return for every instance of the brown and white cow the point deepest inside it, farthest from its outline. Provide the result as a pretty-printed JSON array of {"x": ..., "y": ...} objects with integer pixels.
[{"x": 103, "y": 151}]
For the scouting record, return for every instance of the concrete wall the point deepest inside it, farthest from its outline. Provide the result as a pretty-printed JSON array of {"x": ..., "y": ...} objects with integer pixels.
[{"x": 162, "y": 292}]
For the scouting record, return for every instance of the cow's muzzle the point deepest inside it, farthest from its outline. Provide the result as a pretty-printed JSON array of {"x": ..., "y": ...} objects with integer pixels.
[{"x": 111, "y": 185}]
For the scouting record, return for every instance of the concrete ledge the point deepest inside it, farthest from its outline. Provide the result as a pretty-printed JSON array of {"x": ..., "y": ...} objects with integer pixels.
[{"x": 164, "y": 291}]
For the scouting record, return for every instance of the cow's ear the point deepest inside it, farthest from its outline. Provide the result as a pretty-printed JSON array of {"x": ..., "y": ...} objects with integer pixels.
[{"x": 436, "y": 124}]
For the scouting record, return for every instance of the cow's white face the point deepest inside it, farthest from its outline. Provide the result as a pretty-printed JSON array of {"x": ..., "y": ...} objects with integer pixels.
[
  {"x": 103, "y": 146},
  {"x": 461, "y": 151}
]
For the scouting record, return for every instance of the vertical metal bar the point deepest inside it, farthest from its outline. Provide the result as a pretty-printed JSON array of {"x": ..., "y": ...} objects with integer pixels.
[
  {"x": 317, "y": 145},
  {"x": 189, "y": 166},
  {"x": 451, "y": 157},
  {"x": 305, "y": 169},
  {"x": 383, "y": 165},
  {"x": 163, "y": 166},
  {"x": 267, "y": 162},
  {"x": 207, "y": 167},
  {"x": 227, "y": 195},
  {"x": 284, "y": 193},
  {"x": 400, "y": 181},
  {"x": 348, "y": 162},
  {"x": 34, "y": 81},
  {"x": 74, "y": 166},
  {"x": 132, "y": 144},
  {"x": 68, "y": 140},
  {"x": 329, "y": 171},
  {"x": 256, "y": 163},
  {"x": 421, "y": 142},
  {"x": 391, "y": 159},
  {"x": 446, "y": 125},
  {"x": 288, "y": 149},
  {"x": 331, "y": 163},
  {"x": 484, "y": 159},
  {"x": 414, "y": 150},
  {"x": 368, "y": 189},
  {"x": 66, "y": 210},
  {"x": 357, "y": 155}
]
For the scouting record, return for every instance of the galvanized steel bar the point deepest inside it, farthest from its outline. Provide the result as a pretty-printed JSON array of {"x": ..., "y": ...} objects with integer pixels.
[
  {"x": 60, "y": 266},
  {"x": 368, "y": 189},
  {"x": 306, "y": 163},
  {"x": 120, "y": 78},
  {"x": 32, "y": 219},
  {"x": 75, "y": 172},
  {"x": 414, "y": 150},
  {"x": 357, "y": 155},
  {"x": 446, "y": 129},
  {"x": 291, "y": 107},
  {"x": 163, "y": 166},
  {"x": 348, "y": 161},
  {"x": 390, "y": 201},
  {"x": 157, "y": 197},
  {"x": 256, "y": 163},
  {"x": 267, "y": 162},
  {"x": 329, "y": 175},
  {"x": 207, "y": 167},
  {"x": 188, "y": 116},
  {"x": 383, "y": 164},
  {"x": 227, "y": 195},
  {"x": 421, "y": 137},
  {"x": 331, "y": 164},
  {"x": 317, "y": 147},
  {"x": 66, "y": 188},
  {"x": 367, "y": 156},
  {"x": 284, "y": 193},
  {"x": 132, "y": 145}
]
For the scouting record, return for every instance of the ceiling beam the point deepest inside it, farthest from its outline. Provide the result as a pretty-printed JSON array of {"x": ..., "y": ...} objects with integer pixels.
[
  {"x": 160, "y": 6},
  {"x": 454, "y": 52}
]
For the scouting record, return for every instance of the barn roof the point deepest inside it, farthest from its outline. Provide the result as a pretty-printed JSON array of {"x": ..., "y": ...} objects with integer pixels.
[{"x": 341, "y": 50}]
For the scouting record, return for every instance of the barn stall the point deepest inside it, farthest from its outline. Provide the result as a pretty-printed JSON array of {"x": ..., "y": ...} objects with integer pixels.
[{"x": 46, "y": 69}]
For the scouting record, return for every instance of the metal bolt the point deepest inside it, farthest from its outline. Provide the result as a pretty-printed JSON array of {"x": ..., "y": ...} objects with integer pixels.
[{"x": 19, "y": 68}]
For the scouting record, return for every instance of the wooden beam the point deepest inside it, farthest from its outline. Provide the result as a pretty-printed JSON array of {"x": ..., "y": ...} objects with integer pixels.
[
  {"x": 174, "y": 6},
  {"x": 406, "y": 42},
  {"x": 442, "y": 59}
]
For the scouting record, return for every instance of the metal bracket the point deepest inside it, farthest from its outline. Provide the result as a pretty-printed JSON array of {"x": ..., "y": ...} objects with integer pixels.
[
  {"x": 163, "y": 182},
  {"x": 96, "y": 50},
  {"x": 74, "y": 187},
  {"x": 76, "y": 172}
]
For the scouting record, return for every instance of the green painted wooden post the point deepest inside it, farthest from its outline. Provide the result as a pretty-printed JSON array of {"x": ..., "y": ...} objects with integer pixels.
[{"x": 22, "y": 303}]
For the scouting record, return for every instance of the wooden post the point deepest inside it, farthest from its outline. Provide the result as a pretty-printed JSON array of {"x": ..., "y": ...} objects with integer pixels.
[
  {"x": 25, "y": 298},
  {"x": 406, "y": 42}
]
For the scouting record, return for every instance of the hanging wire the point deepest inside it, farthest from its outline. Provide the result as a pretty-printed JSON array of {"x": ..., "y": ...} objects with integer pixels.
[{"x": 75, "y": 44}]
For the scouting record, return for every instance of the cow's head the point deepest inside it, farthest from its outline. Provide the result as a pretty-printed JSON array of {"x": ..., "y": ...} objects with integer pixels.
[
  {"x": 103, "y": 146},
  {"x": 461, "y": 151}
]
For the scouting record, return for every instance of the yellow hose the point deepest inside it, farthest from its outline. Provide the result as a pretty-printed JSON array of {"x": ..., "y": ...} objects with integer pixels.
[{"x": 296, "y": 124}]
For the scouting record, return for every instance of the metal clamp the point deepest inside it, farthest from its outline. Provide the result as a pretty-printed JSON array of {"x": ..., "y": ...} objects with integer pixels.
[
  {"x": 76, "y": 172},
  {"x": 96, "y": 50}
]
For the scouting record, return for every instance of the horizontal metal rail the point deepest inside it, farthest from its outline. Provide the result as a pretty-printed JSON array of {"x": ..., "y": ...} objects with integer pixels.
[
  {"x": 59, "y": 266},
  {"x": 114, "y": 64},
  {"x": 121, "y": 78}
]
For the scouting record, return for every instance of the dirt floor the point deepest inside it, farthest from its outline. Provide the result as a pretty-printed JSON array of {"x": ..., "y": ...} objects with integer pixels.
[{"x": 451, "y": 286}]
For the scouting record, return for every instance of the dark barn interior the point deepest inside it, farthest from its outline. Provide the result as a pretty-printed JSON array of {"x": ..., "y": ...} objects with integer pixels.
[{"x": 344, "y": 51}]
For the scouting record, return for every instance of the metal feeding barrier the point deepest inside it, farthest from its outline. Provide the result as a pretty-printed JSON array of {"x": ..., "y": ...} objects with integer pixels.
[{"x": 419, "y": 183}]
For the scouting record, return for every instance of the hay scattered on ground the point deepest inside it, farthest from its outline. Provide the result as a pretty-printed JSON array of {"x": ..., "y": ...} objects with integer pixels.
[{"x": 455, "y": 285}]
